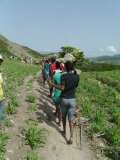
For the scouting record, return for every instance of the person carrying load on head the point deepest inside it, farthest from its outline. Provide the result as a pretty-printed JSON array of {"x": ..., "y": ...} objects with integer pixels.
[{"x": 69, "y": 83}]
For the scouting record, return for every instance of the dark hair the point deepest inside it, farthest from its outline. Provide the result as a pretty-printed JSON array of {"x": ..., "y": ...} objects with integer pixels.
[
  {"x": 69, "y": 66},
  {"x": 53, "y": 59},
  {"x": 1, "y": 61},
  {"x": 57, "y": 65},
  {"x": 46, "y": 61}
]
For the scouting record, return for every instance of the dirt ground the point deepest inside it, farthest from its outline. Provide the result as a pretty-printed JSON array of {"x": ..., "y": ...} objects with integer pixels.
[{"x": 56, "y": 147}]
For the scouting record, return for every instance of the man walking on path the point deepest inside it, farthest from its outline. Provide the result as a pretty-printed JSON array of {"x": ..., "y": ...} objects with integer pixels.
[{"x": 69, "y": 83}]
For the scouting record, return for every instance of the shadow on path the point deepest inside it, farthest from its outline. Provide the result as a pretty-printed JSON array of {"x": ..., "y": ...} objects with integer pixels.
[{"x": 46, "y": 107}]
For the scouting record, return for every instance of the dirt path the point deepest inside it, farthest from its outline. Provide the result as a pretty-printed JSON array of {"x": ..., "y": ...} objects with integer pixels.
[
  {"x": 16, "y": 148},
  {"x": 56, "y": 147}
]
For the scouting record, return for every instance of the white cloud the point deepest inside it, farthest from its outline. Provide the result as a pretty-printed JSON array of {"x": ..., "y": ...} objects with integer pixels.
[
  {"x": 102, "y": 50},
  {"x": 111, "y": 49}
]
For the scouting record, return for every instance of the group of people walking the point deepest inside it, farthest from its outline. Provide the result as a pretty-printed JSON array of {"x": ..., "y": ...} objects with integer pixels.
[{"x": 63, "y": 80}]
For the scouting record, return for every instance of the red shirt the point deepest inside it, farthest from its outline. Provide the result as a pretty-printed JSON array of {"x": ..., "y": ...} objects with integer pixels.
[{"x": 52, "y": 68}]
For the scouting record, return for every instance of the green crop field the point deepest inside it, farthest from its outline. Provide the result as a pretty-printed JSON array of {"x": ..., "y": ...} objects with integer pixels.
[
  {"x": 115, "y": 75},
  {"x": 111, "y": 78},
  {"x": 98, "y": 96},
  {"x": 100, "y": 103},
  {"x": 14, "y": 73}
]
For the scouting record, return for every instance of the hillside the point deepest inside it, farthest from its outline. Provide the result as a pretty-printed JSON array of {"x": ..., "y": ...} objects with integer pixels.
[
  {"x": 8, "y": 48},
  {"x": 115, "y": 59}
]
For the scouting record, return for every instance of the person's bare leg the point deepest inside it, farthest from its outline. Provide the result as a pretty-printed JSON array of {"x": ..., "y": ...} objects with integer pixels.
[
  {"x": 59, "y": 116},
  {"x": 51, "y": 90},
  {"x": 56, "y": 111},
  {"x": 64, "y": 125},
  {"x": 43, "y": 80},
  {"x": 71, "y": 132}
]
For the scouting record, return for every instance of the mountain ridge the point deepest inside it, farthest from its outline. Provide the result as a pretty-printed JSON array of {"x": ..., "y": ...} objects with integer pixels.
[
  {"x": 9, "y": 48},
  {"x": 115, "y": 59}
]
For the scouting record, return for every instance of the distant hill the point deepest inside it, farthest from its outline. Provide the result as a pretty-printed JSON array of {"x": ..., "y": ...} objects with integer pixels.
[
  {"x": 8, "y": 49},
  {"x": 115, "y": 59}
]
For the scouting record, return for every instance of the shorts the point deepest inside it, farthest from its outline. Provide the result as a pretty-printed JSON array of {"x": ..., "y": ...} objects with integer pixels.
[
  {"x": 2, "y": 110},
  {"x": 68, "y": 108}
]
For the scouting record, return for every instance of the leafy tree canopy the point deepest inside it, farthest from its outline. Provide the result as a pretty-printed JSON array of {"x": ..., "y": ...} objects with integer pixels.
[{"x": 76, "y": 52}]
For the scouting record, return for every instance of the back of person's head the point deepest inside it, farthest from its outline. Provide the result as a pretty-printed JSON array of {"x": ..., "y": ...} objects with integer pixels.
[
  {"x": 57, "y": 65},
  {"x": 46, "y": 61},
  {"x": 53, "y": 60},
  {"x": 69, "y": 66}
]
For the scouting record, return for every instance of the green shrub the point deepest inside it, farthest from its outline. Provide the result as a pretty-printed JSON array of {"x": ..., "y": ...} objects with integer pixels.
[
  {"x": 14, "y": 101},
  {"x": 10, "y": 109},
  {"x": 113, "y": 135},
  {"x": 3, "y": 142},
  {"x": 34, "y": 136},
  {"x": 115, "y": 112},
  {"x": 30, "y": 98}
]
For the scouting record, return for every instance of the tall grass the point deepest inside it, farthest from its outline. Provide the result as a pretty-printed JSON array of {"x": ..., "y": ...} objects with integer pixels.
[{"x": 101, "y": 104}]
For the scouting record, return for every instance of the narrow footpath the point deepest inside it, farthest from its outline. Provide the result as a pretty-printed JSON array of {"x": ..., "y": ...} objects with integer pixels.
[{"x": 56, "y": 147}]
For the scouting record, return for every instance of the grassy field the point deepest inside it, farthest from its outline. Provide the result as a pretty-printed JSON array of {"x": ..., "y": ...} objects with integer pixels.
[
  {"x": 100, "y": 102},
  {"x": 14, "y": 73},
  {"x": 111, "y": 78},
  {"x": 115, "y": 75},
  {"x": 97, "y": 95}
]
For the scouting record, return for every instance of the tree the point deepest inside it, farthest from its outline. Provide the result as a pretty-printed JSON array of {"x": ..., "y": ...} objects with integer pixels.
[
  {"x": 65, "y": 50},
  {"x": 76, "y": 52}
]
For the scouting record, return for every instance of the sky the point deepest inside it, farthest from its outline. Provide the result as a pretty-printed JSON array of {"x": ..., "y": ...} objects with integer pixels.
[{"x": 46, "y": 25}]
